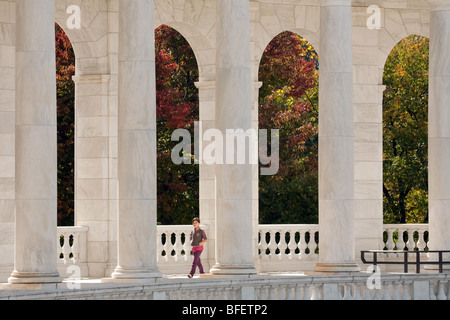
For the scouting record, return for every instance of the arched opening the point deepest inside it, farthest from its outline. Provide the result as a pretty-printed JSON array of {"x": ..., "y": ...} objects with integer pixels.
[
  {"x": 177, "y": 108},
  {"x": 288, "y": 101},
  {"x": 65, "y": 70},
  {"x": 405, "y": 132}
]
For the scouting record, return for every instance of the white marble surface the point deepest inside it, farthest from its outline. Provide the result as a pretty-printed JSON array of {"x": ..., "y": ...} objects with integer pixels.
[
  {"x": 36, "y": 144},
  {"x": 96, "y": 47},
  {"x": 137, "y": 143},
  {"x": 234, "y": 245},
  {"x": 439, "y": 134},
  {"x": 336, "y": 140}
]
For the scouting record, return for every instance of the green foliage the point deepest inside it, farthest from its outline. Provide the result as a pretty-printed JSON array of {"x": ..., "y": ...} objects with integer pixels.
[
  {"x": 65, "y": 67},
  {"x": 405, "y": 138},
  {"x": 177, "y": 107},
  {"x": 289, "y": 102}
]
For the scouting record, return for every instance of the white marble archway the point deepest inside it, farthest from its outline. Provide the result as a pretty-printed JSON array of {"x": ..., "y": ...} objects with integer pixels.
[{"x": 97, "y": 85}]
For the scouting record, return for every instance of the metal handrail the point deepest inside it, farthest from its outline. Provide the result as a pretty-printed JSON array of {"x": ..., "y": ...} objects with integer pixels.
[{"x": 406, "y": 262}]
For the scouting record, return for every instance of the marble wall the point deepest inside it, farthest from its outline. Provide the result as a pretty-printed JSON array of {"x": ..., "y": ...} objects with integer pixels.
[
  {"x": 7, "y": 136},
  {"x": 97, "y": 48}
]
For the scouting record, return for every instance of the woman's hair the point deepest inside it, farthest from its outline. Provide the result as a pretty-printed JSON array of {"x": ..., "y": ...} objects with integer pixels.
[{"x": 196, "y": 219}]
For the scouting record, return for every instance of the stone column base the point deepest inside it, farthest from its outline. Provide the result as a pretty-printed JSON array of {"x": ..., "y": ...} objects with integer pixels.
[
  {"x": 333, "y": 268},
  {"x": 233, "y": 270},
  {"x": 121, "y": 274},
  {"x": 34, "y": 278}
]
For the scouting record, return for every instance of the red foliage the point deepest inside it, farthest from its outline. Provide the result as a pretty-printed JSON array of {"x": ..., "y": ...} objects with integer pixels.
[{"x": 288, "y": 71}]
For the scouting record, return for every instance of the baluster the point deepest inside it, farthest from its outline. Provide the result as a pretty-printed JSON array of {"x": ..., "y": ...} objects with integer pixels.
[
  {"x": 367, "y": 295},
  {"x": 390, "y": 244},
  {"x": 395, "y": 294},
  {"x": 413, "y": 240},
  {"x": 401, "y": 243},
  {"x": 232, "y": 294},
  {"x": 210, "y": 294},
  {"x": 264, "y": 293},
  {"x": 289, "y": 293},
  {"x": 421, "y": 244},
  {"x": 441, "y": 294},
  {"x": 376, "y": 295},
  {"x": 347, "y": 292},
  {"x": 292, "y": 245},
  {"x": 315, "y": 292},
  {"x": 271, "y": 293},
  {"x": 432, "y": 290},
  {"x": 227, "y": 294},
  {"x": 59, "y": 248},
  {"x": 66, "y": 248},
  {"x": 159, "y": 247},
  {"x": 386, "y": 295},
  {"x": 264, "y": 245},
  {"x": 260, "y": 241},
  {"x": 316, "y": 243},
  {"x": 172, "y": 251},
  {"x": 282, "y": 292},
  {"x": 301, "y": 292},
  {"x": 76, "y": 250},
  {"x": 410, "y": 243},
  {"x": 183, "y": 246},
  {"x": 165, "y": 246},
  {"x": 272, "y": 245},
  {"x": 405, "y": 288},
  {"x": 221, "y": 294},
  {"x": 178, "y": 247},
  {"x": 282, "y": 245},
  {"x": 357, "y": 292},
  {"x": 258, "y": 293},
  {"x": 218, "y": 294},
  {"x": 303, "y": 245},
  {"x": 309, "y": 292},
  {"x": 298, "y": 250}
]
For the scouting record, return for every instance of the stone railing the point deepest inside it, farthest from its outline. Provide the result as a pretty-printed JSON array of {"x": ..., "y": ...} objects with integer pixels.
[
  {"x": 261, "y": 288},
  {"x": 280, "y": 247},
  {"x": 357, "y": 287},
  {"x": 174, "y": 249},
  {"x": 406, "y": 237},
  {"x": 288, "y": 241},
  {"x": 72, "y": 245},
  {"x": 174, "y": 244}
]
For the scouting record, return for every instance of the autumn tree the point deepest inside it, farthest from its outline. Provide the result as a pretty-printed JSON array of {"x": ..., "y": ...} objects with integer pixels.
[
  {"x": 405, "y": 122},
  {"x": 289, "y": 102},
  {"x": 177, "y": 108},
  {"x": 65, "y": 69}
]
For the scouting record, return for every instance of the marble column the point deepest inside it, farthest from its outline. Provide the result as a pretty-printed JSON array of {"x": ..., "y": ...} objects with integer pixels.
[
  {"x": 95, "y": 169},
  {"x": 137, "y": 257},
  {"x": 439, "y": 126},
  {"x": 35, "y": 259},
  {"x": 207, "y": 174},
  {"x": 336, "y": 139},
  {"x": 234, "y": 244}
]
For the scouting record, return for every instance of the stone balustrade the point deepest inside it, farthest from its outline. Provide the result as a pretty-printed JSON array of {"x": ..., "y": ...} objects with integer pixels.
[
  {"x": 406, "y": 237},
  {"x": 72, "y": 245},
  {"x": 288, "y": 241},
  {"x": 288, "y": 287},
  {"x": 280, "y": 247},
  {"x": 174, "y": 243},
  {"x": 174, "y": 249}
]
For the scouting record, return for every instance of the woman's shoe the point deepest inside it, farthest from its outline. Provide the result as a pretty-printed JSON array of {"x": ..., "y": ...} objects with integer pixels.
[{"x": 189, "y": 276}]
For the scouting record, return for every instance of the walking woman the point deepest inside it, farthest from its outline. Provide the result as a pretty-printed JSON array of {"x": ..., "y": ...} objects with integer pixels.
[{"x": 198, "y": 239}]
